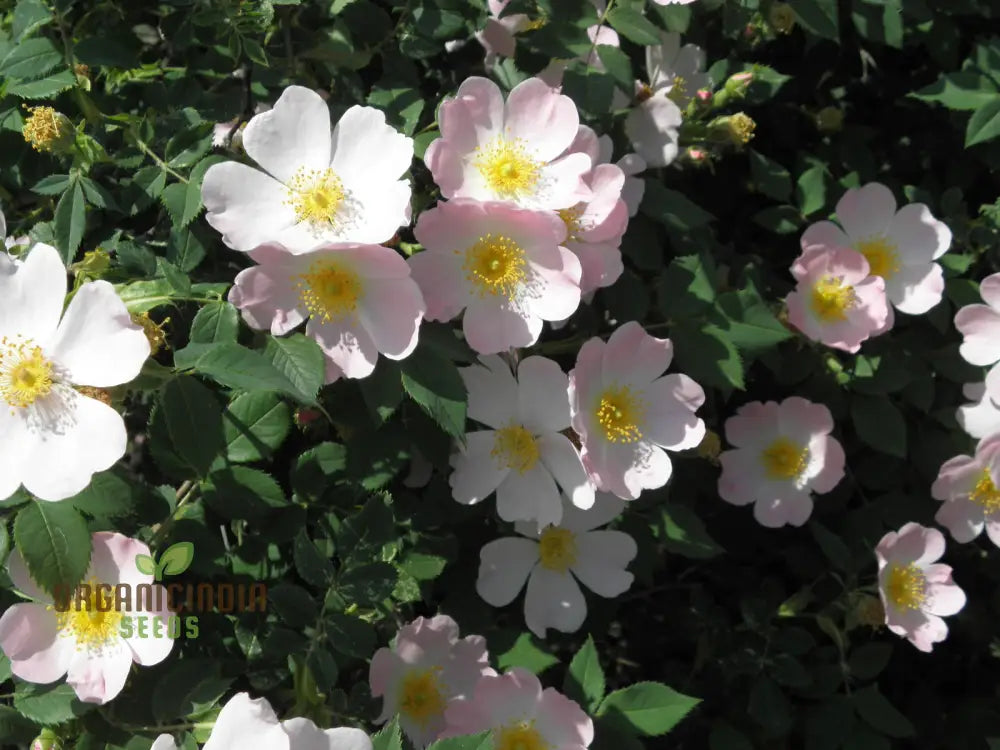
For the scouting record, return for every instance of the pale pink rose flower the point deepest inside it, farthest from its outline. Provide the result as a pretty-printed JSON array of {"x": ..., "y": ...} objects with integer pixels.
[
  {"x": 980, "y": 329},
  {"x": 497, "y": 37},
  {"x": 916, "y": 591},
  {"x": 631, "y": 165},
  {"x": 512, "y": 151},
  {"x": 900, "y": 246},
  {"x": 53, "y": 438},
  {"x": 784, "y": 452},
  {"x": 982, "y": 417},
  {"x": 967, "y": 486},
  {"x": 164, "y": 742},
  {"x": 85, "y": 644},
  {"x": 251, "y": 724},
  {"x": 599, "y": 36},
  {"x": 315, "y": 185},
  {"x": 554, "y": 561},
  {"x": 675, "y": 74},
  {"x": 627, "y": 412},
  {"x": 523, "y": 457},
  {"x": 503, "y": 265},
  {"x": 221, "y": 130},
  {"x": 359, "y": 301},
  {"x": 595, "y": 227},
  {"x": 520, "y": 714},
  {"x": 427, "y": 668},
  {"x": 837, "y": 302}
]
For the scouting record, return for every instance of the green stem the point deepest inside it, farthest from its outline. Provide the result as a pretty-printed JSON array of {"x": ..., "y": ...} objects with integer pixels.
[
  {"x": 142, "y": 145},
  {"x": 600, "y": 23}
]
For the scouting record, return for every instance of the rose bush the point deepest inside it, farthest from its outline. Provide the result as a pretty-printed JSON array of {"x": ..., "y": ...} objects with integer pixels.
[{"x": 384, "y": 374}]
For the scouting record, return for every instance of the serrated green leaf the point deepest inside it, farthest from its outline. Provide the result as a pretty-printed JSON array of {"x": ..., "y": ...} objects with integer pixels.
[
  {"x": 54, "y": 541},
  {"x": 434, "y": 383},
  {"x": 254, "y": 425},
  {"x": 194, "y": 422},
  {"x": 299, "y": 359},
  {"x": 818, "y": 16},
  {"x": 70, "y": 221},
  {"x": 216, "y": 322},
  {"x": 239, "y": 492},
  {"x": 31, "y": 59},
  {"x": 584, "y": 681},
  {"x": 984, "y": 125},
  {"x": 43, "y": 88},
  {"x": 650, "y": 708},
  {"x": 632, "y": 25},
  {"x": 879, "y": 424}
]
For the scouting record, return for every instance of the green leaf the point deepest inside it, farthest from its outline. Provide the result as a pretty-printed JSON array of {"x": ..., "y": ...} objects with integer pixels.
[
  {"x": 632, "y": 25},
  {"x": 54, "y": 184},
  {"x": 779, "y": 219},
  {"x": 818, "y": 16},
  {"x": 185, "y": 249},
  {"x": 254, "y": 425},
  {"x": 402, "y": 106},
  {"x": 301, "y": 360},
  {"x": 684, "y": 533},
  {"x": 482, "y": 741},
  {"x": 236, "y": 366},
  {"x": 618, "y": 65},
  {"x": 673, "y": 209},
  {"x": 70, "y": 221},
  {"x": 584, "y": 681},
  {"x": 651, "y": 708},
  {"x": 293, "y": 604},
  {"x": 811, "y": 189},
  {"x": 879, "y": 424},
  {"x": 48, "y": 705},
  {"x": 54, "y": 541},
  {"x": 16, "y": 728},
  {"x": 984, "y": 125},
  {"x": 527, "y": 652},
  {"x": 879, "y": 21},
  {"x": 435, "y": 384},
  {"x": 748, "y": 323},
  {"x": 145, "y": 564},
  {"x": 706, "y": 354},
  {"x": 423, "y": 567},
  {"x": 687, "y": 287},
  {"x": 770, "y": 178},
  {"x": 32, "y": 58},
  {"x": 43, "y": 88},
  {"x": 350, "y": 635},
  {"x": 29, "y": 15},
  {"x": 216, "y": 322},
  {"x": 368, "y": 585},
  {"x": 175, "y": 559},
  {"x": 239, "y": 492},
  {"x": 310, "y": 564},
  {"x": 389, "y": 737},
  {"x": 873, "y": 708},
  {"x": 382, "y": 390},
  {"x": 589, "y": 87},
  {"x": 194, "y": 422},
  {"x": 961, "y": 90}
]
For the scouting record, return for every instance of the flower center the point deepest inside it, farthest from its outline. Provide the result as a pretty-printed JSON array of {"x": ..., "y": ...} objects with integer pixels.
[
  {"x": 985, "y": 493},
  {"x": 316, "y": 195},
  {"x": 496, "y": 265},
  {"x": 571, "y": 218},
  {"x": 25, "y": 373},
  {"x": 520, "y": 736},
  {"x": 507, "y": 167},
  {"x": 557, "y": 549},
  {"x": 620, "y": 413},
  {"x": 832, "y": 298},
  {"x": 421, "y": 699},
  {"x": 45, "y": 127},
  {"x": 881, "y": 256},
  {"x": 329, "y": 290},
  {"x": 678, "y": 91},
  {"x": 515, "y": 448},
  {"x": 783, "y": 459},
  {"x": 906, "y": 586},
  {"x": 644, "y": 94},
  {"x": 91, "y": 621}
]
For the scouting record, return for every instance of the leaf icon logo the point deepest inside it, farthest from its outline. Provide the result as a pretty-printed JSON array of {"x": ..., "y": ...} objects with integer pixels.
[{"x": 175, "y": 560}]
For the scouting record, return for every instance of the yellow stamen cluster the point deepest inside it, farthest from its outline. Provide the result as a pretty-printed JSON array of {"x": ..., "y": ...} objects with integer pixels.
[
  {"x": 571, "y": 218},
  {"x": 25, "y": 374},
  {"x": 881, "y": 255},
  {"x": 515, "y": 448},
  {"x": 496, "y": 265},
  {"x": 831, "y": 299},
  {"x": 783, "y": 459},
  {"x": 645, "y": 93},
  {"x": 985, "y": 493},
  {"x": 906, "y": 586},
  {"x": 155, "y": 333},
  {"x": 678, "y": 93},
  {"x": 620, "y": 413},
  {"x": 330, "y": 290},
  {"x": 741, "y": 128},
  {"x": 91, "y": 628},
  {"x": 45, "y": 129},
  {"x": 508, "y": 168},
  {"x": 317, "y": 196},
  {"x": 557, "y": 549},
  {"x": 520, "y": 736},
  {"x": 421, "y": 697},
  {"x": 710, "y": 447}
]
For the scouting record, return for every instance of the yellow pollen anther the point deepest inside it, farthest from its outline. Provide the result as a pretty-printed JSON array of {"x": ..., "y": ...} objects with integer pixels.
[
  {"x": 515, "y": 448},
  {"x": 25, "y": 373},
  {"x": 678, "y": 93},
  {"x": 906, "y": 586},
  {"x": 832, "y": 298},
  {"x": 881, "y": 256},
  {"x": 557, "y": 549},
  {"x": 783, "y": 459},
  {"x": 420, "y": 697},
  {"x": 496, "y": 265},
  {"x": 508, "y": 168},
  {"x": 155, "y": 332},
  {"x": 985, "y": 493},
  {"x": 317, "y": 196},
  {"x": 571, "y": 218},
  {"x": 329, "y": 290},
  {"x": 520, "y": 736},
  {"x": 89, "y": 626},
  {"x": 620, "y": 413},
  {"x": 645, "y": 93},
  {"x": 45, "y": 128}
]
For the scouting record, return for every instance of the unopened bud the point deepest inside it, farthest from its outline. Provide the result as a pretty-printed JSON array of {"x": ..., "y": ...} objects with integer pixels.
[
  {"x": 93, "y": 265},
  {"x": 47, "y": 740},
  {"x": 830, "y": 120},
  {"x": 306, "y": 416},
  {"x": 710, "y": 447},
  {"x": 696, "y": 155},
  {"x": 48, "y": 130},
  {"x": 782, "y": 18},
  {"x": 155, "y": 334},
  {"x": 735, "y": 129}
]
